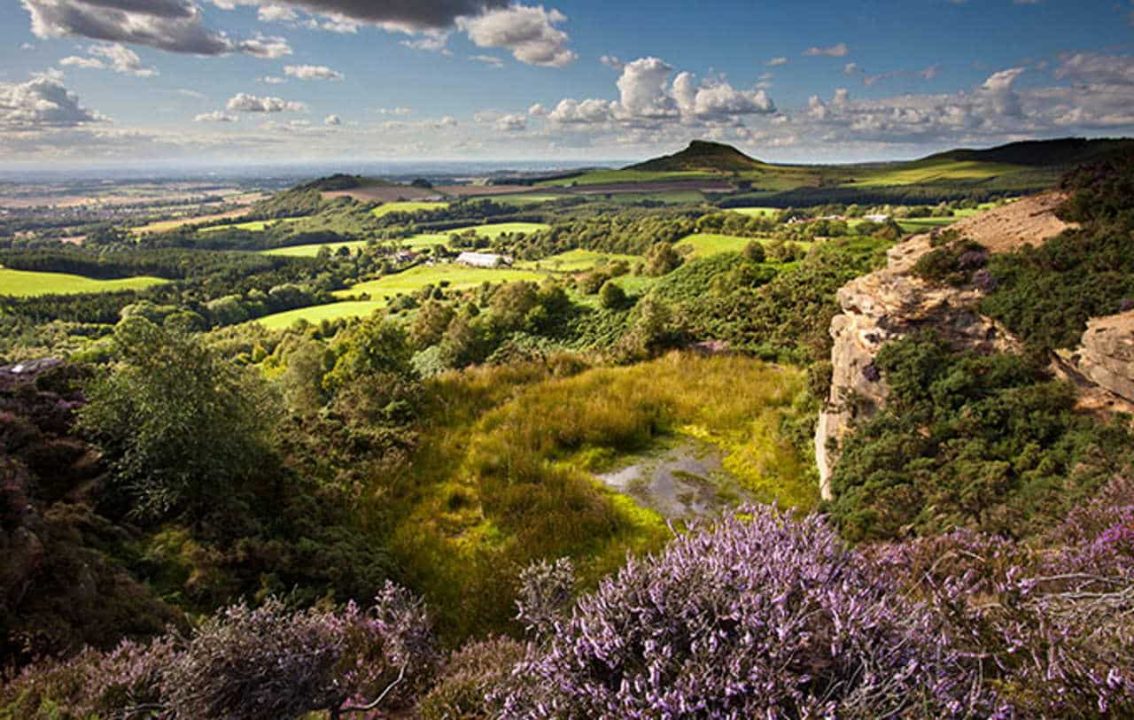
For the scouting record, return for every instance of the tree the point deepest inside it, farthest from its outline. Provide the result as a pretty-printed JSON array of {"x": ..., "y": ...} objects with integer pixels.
[
  {"x": 183, "y": 429},
  {"x": 754, "y": 252},
  {"x": 662, "y": 259},
  {"x": 429, "y": 325},
  {"x": 612, "y": 297}
]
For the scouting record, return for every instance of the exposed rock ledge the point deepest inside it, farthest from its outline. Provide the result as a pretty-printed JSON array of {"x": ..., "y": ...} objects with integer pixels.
[
  {"x": 892, "y": 302},
  {"x": 1106, "y": 354}
]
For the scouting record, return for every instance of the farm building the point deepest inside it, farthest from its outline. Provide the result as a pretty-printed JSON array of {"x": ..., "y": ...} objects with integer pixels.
[
  {"x": 485, "y": 260},
  {"x": 879, "y": 218}
]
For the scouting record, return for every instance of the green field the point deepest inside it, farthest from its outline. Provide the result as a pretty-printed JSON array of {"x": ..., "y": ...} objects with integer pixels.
[
  {"x": 768, "y": 212},
  {"x": 250, "y": 226},
  {"x": 457, "y": 276},
  {"x": 490, "y": 231},
  {"x": 25, "y": 283},
  {"x": 936, "y": 171},
  {"x": 576, "y": 261},
  {"x": 706, "y": 244},
  {"x": 317, "y": 313},
  {"x": 407, "y": 206},
  {"x": 522, "y": 199},
  {"x": 313, "y": 250}
]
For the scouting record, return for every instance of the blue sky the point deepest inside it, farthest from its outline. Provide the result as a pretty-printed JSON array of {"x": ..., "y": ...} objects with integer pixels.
[{"x": 289, "y": 80}]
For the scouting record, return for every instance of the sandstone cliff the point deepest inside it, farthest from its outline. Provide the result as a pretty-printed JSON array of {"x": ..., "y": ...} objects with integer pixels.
[{"x": 893, "y": 302}]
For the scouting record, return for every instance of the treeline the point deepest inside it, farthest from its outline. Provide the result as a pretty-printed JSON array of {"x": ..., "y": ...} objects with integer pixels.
[
  {"x": 631, "y": 232},
  {"x": 169, "y": 263}
]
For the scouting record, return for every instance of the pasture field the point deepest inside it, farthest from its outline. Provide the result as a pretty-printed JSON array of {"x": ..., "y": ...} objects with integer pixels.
[
  {"x": 669, "y": 197},
  {"x": 489, "y": 230},
  {"x": 26, "y": 283},
  {"x": 250, "y": 226},
  {"x": 316, "y": 313},
  {"x": 458, "y": 277},
  {"x": 925, "y": 224},
  {"x": 161, "y": 226},
  {"x": 706, "y": 244},
  {"x": 313, "y": 249},
  {"x": 935, "y": 171},
  {"x": 766, "y": 212},
  {"x": 576, "y": 261},
  {"x": 407, "y": 206},
  {"x": 523, "y": 199}
]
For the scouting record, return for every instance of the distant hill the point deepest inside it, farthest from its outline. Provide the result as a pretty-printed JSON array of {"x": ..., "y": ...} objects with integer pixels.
[
  {"x": 1063, "y": 152},
  {"x": 702, "y": 156}
]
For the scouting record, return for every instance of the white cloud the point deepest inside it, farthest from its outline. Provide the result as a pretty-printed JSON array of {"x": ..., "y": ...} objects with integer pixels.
[
  {"x": 432, "y": 41},
  {"x": 312, "y": 72},
  {"x": 332, "y": 121},
  {"x": 216, "y": 116},
  {"x": 272, "y": 80},
  {"x": 512, "y": 123},
  {"x": 488, "y": 60},
  {"x": 276, "y": 13},
  {"x": 643, "y": 89},
  {"x": 777, "y": 61},
  {"x": 612, "y": 61},
  {"x": 113, "y": 56},
  {"x": 243, "y": 102},
  {"x": 42, "y": 103},
  {"x": 529, "y": 32},
  {"x": 400, "y": 111},
  {"x": 569, "y": 111},
  {"x": 839, "y": 50}
]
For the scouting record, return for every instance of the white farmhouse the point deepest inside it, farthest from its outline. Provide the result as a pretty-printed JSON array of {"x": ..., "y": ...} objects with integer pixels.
[
  {"x": 879, "y": 218},
  {"x": 485, "y": 260}
]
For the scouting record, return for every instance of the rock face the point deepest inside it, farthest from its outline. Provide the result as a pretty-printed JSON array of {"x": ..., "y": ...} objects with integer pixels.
[
  {"x": 893, "y": 302},
  {"x": 1106, "y": 354}
]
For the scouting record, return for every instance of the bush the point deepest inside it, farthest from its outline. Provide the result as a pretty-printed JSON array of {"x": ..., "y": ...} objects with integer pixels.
[
  {"x": 473, "y": 680},
  {"x": 612, "y": 297},
  {"x": 765, "y": 616}
]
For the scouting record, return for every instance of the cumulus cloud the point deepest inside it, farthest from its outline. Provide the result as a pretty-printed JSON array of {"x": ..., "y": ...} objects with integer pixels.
[
  {"x": 612, "y": 61},
  {"x": 569, "y": 111},
  {"x": 276, "y": 13},
  {"x": 717, "y": 100},
  {"x": 529, "y": 32},
  {"x": 216, "y": 116},
  {"x": 839, "y": 50},
  {"x": 171, "y": 25},
  {"x": 42, "y": 103},
  {"x": 114, "y": 57},
  {"x": 511, "y": 123},
  {"x": 643, "y": 89},
  {"x": 312, "y": 72},
  {"x": 430, "y": 41},
  {"x": 243, "y": 102},
  {"x": 777, "y": 61},
  {"x": 332, "y": 121}
]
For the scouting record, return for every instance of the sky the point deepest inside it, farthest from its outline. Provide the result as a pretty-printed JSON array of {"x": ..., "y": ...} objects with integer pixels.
[{"x": 195, "y": 82}]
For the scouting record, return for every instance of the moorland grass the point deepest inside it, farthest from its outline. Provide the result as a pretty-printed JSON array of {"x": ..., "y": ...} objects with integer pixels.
[{"x": 504, "y": 471}]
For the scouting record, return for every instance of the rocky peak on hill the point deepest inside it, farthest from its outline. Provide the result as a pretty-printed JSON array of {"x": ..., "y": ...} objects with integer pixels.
[
  {"x": 701, "y": 156},
  {"x": 893, "y": 302}
]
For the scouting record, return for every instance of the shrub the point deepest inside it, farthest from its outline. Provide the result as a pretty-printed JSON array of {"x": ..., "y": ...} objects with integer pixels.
[
  {"x": 473, "y": 680},
  {"x": 612, "y": 297},
  {"x": 765, "y": 616}
]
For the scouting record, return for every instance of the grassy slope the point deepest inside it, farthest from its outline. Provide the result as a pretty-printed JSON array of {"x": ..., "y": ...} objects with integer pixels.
[
  {"x": 313, "y": 250},
  {"x": 25, "y": 283},
  {"x": 250, "y": 226},
  {"x": 317, "y": 313}
]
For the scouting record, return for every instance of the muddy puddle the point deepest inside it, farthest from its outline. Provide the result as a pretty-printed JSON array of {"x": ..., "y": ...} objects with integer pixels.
[{"x": 683, "y": 480}]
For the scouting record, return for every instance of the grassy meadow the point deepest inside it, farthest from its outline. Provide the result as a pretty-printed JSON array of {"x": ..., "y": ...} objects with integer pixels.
[
  {"x": 26, "y": 283},
  {"x": 450, "y": 275},
  {"x": 317, "y": 313},
  {"x": 707, "y": 244},
  {"x": 407, "y": 206},
  {"x": 505, "y": 471},
  {"x": 577, "y": 261},
  {"x": 313, "y": 249}
]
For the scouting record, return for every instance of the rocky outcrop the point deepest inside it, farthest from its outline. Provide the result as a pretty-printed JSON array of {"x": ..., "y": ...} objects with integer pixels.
[
  {"x": 893, "y": 302},
  {"x": 1106, "y": 354}
]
